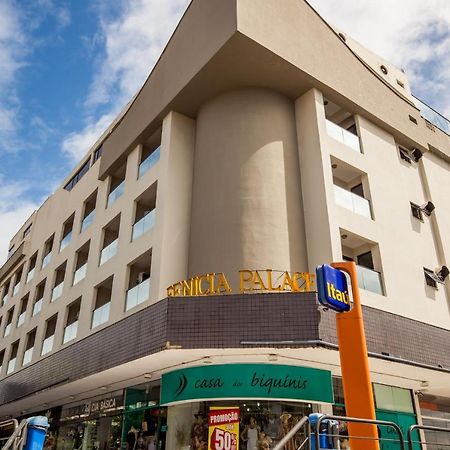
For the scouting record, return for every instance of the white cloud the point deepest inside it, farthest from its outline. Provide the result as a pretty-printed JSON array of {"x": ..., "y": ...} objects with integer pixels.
[
  {"x": 413, "y": 34},
  {"x": 15, "y": 209},
  {"x": 132, "y": 44},
  {"x": 76, "y": 145}
]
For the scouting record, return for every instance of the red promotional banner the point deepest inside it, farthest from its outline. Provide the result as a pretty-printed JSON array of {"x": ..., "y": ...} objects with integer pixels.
[{"x": 223, "y": 429}]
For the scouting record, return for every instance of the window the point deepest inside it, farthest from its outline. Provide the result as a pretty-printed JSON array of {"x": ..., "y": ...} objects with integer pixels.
[
  {"x": 10, "y": 251},
  {"x": 9, "y": 319},
  {"x": 13, "y": 357},
  {"x": 88, "y": 211},
  {"x": 47, "y": 343},
  {"x": 31, "y": 267},
  {"x": 29, "y": 347},
  {"x": 71, "y": 328},
  {"x": 404, "y": 155},
  {"x": 77, "y": 177},
  {"x": 67, "y": 233},
  {"x": 431, "y": 278},
  {"x": 27, "y": 230},
  {"x": 47, "y": 252},
  {"x": 366, "y": 260},
  {"x": 416, "y": 211},
  {"x": 22, "y": 311},
  {"x": 97, "y": 153}
]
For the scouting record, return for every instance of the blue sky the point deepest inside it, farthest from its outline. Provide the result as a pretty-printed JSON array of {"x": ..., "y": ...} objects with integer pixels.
[{"x": 68, "y": 66}]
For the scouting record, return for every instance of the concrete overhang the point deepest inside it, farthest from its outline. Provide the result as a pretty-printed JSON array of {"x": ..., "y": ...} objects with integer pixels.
[{"x": 284, "y": 46}]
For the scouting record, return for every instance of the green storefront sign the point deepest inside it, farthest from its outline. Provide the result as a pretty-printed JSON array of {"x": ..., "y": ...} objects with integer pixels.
[{"x": 234, "y": 381}]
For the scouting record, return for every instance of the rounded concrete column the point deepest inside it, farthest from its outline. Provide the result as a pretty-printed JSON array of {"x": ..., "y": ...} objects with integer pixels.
[{"x": 246, "y": 204}]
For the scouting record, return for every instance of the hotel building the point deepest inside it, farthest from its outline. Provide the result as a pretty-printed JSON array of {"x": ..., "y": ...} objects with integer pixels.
[{"x": 264, "y": 142}]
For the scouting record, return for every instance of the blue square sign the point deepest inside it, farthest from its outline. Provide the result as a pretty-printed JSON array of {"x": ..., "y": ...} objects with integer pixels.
[{"x": 332, "y": 288}]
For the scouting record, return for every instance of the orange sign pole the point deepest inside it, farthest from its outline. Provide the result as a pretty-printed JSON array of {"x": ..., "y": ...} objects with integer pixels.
[{"x": 358, "y": 392}]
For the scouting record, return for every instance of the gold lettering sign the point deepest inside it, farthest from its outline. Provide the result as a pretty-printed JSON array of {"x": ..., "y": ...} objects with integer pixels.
[{"x": 250, "y": 281}]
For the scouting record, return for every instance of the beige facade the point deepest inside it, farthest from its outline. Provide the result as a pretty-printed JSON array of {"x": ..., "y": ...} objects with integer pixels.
[{"x": 260, "y": 140}]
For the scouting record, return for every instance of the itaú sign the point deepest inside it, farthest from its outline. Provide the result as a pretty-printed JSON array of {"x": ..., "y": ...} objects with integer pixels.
[{"x": 250, "y": 281}]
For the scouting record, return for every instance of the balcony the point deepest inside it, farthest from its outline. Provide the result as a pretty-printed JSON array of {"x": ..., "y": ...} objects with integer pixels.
[
  {"x": 37, "y": 307},
  {"x": 57, "y": 292},
  {"x": 16, "y": 289},
  {"x": 21, "y": 319},
  {"x": 116, "y": 193},
  {"x": 79, "y": 274},
  {"x": 47, "y": 345},
  {"x": 30, "y": 275},
  {"x": 353, "y": 202},
  {"x": 108, "y": 252},
  {"x": 46, "y": 260},
  {"x": 101, "y": 315},
  {"x": 370, "y": 280},
  {"x": 65, "y": 241},
  {"x": 88, "y": 220},
  {"x": 70, "y": 332},
  {"x": 143, "y": 225},
  {"x": 7, "y": 330},
  {"x": 345, "y": 137},
  {"x": 27, "y": 356},
  {"x": 11, "y": 366},
  {"x": 149, "y": 162},
  {"x": 433, "y": 116},
  {"x": 138, "y": 294}
]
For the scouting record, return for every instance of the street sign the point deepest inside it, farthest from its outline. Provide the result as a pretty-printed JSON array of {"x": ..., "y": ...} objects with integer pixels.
[{"x": 332, "y": 288}]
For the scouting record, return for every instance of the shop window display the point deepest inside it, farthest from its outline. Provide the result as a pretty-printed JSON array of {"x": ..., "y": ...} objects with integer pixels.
[{"x": 261, "y": 425}]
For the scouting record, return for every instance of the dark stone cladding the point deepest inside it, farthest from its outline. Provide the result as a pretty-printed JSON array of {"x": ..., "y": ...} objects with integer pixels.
[{"x": 230, "y": 321}]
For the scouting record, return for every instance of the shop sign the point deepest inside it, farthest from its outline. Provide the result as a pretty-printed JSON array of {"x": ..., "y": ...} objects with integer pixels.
[
  {"x": 243, "y": 381},
  {"x": 93, "y": 407},
  {"x": 332, "y": 288},
  {"x": 223, "y": 429},
  {"x": 250, "y": 281}
]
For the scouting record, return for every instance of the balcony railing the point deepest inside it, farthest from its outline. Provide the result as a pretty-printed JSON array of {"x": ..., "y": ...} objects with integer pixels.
[
  {"x": 343, "y": 136},
  {"x": 79, "y": 274},
  {"x": 370, "y": 280},
  {"x": 47, "y": 345},
  {"x": 57, "y": 291},
  {"x": 5, "y": 299},
  {"x": 143, "y": 225},
  {"x": 37, "y": 307},
  {"x": 433, "y": 116},
  {"x": 7, "y": 329},
  {"x": 108, "y": 252},
  {"x": 16, "y": 289},
  {"x": 46, "y": 260},
  {"x": 101, "y": 315},
  {"x": 27, "y": 356},
  {"x": 149, "y": 162},
  {"x": 353, "y": 202},
  {"x": 65, "y": 241},
  {"x": 70, "y": 332},
  {"x": 30, "y": 275},
  {"x": 21, "y": 319},
  {"x": 11, "y": 366},
  {"x": 116, "y": 193},
  {"x": 138, "y": 294},
  {"x": 88, "y": 220}
]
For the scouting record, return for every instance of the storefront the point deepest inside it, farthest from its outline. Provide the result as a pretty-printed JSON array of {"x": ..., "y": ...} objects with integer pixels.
[
  {"x": 94, "y": 424},
  {"x": 144, "y": 420},
  {"x": 392, "y": 404},
  {"x": 259, "y": 403}
]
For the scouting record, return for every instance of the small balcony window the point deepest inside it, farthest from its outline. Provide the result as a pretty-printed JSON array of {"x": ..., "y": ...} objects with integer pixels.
[
  {"x": 138, "y": 294},
  {"x": 57, "y": 291},
  {"x": 89, "y": 211},
  {"x": 70, "y": 332},
  {"x": 101, "y": 315},
  {"x": 47, "y": 345},
  {"x": 148, "y": 160},
  {"x": 144, "y": 224},
  {"x": 67, "y": 233},
  {"x": 37, "y": 307},
  {"x": 108, "y": 252},
  {"x": 11, "y": 366},
  {"x": 27, "y": 356}
]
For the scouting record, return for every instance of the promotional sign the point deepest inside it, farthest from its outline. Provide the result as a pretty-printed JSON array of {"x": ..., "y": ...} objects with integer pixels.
[
  {"x": 223, "y": 429},
  {"x": 262, "y": 381},
  {"x": 332, "y": 288}
]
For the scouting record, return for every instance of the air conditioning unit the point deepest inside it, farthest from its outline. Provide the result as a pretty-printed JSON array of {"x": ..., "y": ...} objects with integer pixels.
[{"x": 142, "y": 276}]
